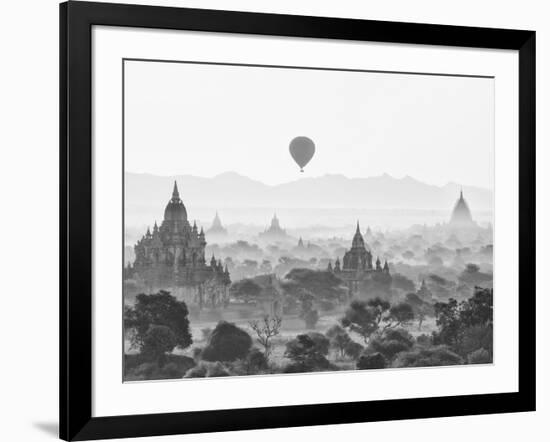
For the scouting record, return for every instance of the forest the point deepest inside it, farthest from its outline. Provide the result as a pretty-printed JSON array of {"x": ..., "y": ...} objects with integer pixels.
[{"x": 366, "y": 334}]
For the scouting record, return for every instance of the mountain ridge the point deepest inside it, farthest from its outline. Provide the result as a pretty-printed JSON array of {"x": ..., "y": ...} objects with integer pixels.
[{"x": 230, "y": 189}]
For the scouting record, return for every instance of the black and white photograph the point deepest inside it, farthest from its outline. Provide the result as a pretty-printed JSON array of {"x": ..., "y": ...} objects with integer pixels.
[{"x": 289, "y": 220}]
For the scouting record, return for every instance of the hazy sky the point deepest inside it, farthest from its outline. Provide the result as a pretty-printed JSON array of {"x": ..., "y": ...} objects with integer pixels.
[{"x": 206, "y": 119}]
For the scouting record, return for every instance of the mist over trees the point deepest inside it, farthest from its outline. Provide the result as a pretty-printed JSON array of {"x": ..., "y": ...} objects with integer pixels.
[{"x": 287, "y": 311}]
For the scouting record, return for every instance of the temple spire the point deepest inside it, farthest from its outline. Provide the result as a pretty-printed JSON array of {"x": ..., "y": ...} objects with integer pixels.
[
  {"x": 357, "y": 230},
  {"x": 175, "y": 192}
]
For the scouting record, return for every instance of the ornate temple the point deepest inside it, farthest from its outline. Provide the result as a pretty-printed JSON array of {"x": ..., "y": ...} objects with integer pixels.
[
  {"x": 274, "y": 232},
  {"x": 357, "y": 270},
  {"x": 172, "y": 255},
  {"x": 217, "y": 229},
  {"x": 461, "y": 216}
]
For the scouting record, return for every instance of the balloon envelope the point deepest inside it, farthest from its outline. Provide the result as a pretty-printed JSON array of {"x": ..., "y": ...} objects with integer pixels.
[{"x": 302, "y": 150}]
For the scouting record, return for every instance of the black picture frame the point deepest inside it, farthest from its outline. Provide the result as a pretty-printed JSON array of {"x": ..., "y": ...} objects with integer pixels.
[{"x": 76, "y": 21}]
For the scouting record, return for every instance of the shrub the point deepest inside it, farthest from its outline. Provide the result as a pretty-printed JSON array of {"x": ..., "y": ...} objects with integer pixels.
[
  {"x": 308, "y": 353},
  {"x": 480, "y": 356},
  {"x": 428, "y": 357},
  {"x": 424, "y": 340},
  {"x": 371, "y": 361},
  {"x": 227, "y": 343},
  {"x": 255, "y": 361},
  {"x": 174, "y": 368},
  {"x": 146, "y": 370},
  {"x": 171, "y": 371},
  {"x": 477, "y": 336},
  {"x": 207, "y": 370},
  {"x": 199, "y": 371},
  {"x": 217, "y": 370}
]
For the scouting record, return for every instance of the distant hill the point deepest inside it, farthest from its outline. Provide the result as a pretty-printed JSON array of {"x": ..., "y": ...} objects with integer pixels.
[{"x": 144, "y": 191}]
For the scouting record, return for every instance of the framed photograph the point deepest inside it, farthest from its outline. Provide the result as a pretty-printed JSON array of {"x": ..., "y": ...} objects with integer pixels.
[{"x": 273, "y": 220}]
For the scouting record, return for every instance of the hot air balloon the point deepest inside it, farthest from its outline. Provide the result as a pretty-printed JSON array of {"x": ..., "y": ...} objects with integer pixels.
[{"x": 302, "y": 150}]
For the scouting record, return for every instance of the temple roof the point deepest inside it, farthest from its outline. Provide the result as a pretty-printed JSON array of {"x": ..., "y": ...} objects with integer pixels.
[
  {"x": 358, "y": 238},
  {"x": 175, "y": 209},
  {"x": 461, "y": 213}
]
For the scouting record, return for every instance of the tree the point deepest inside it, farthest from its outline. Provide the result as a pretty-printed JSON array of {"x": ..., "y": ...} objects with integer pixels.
[
  {"x": 353, "y": 350},
  {"x": 307, "y": 352},
  {"x": 322, "y": 284},
  {"x": 321, "y": 342},
  {"x": 478, "y": 310},
  {"x": 339, "y": 339},
  {"x": 227, "y": 343},
  {"x": 391, "y": 342},
  {"x": 361, "y": 319},
  {"x": 158, "y": 309},
  {"x": 447, "y": 318},
  {"x": 472, "y": 276},
  {"x": 308, "y": 313},
  {"x": 380, "y": 306},
  {"x": 399, "y": 314},
  {"x": 421, "y": 308},
  {"x": 265, "y": 331},
  {"x": 476, "y": 337},
  {"x": 246, "y": 289},
  {"x": 439, "y": 286},
  {"x": 157, "y": 342},
  {"x": 463, "y": 326}
]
